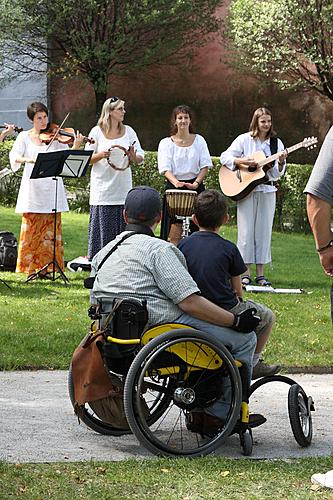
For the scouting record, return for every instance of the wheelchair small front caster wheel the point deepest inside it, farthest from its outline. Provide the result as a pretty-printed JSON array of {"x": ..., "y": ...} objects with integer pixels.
[
  {"x": 299, "y": 408},
  {"x": 246, "y": 440}
]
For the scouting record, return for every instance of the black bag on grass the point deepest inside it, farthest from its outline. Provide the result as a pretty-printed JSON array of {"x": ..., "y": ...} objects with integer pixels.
[{"x": 8, "y": 251}]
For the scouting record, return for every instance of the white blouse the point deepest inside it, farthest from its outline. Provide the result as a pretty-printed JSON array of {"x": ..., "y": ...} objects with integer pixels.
[
  {"x": 109, "y": 186},
  {"x": 184, "y": 162},
  {"x": 245, "y": 145},
  {"x": 36, "y": 195}
]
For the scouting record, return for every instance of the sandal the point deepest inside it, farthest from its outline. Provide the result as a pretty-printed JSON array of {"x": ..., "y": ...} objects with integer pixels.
[
  {"x": 262, "y": 281},
  {"x": 246, "y": 280}
]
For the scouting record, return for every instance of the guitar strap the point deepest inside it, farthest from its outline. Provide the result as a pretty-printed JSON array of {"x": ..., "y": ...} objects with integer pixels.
[{"x": 273, "y": 144}]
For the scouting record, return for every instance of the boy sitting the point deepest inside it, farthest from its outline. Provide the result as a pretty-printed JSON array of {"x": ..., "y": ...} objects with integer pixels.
[{"x": 216, "y": 266}]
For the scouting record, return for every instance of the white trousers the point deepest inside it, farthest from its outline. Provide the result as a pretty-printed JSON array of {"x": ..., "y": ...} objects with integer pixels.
[{"x": 255, "y": 214}]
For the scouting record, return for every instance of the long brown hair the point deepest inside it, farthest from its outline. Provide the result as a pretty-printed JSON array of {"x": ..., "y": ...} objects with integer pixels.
[
  {"x": 254, "y": 127},
  {"x": 182, "y": 108}
]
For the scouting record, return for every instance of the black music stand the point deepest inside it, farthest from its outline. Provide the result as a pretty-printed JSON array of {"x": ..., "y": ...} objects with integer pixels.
[
  {"x": 63, "y": 163},
  {"x": 4, "y": 283}
]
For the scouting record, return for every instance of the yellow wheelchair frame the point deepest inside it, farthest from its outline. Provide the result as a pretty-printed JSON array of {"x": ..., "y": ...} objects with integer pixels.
[{"x": 173, "y": 370}]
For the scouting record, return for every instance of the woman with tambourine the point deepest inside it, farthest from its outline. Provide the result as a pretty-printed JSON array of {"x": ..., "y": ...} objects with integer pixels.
[
  {"x": 184, "y": 160},
  {"x": 116, "y": 148}
]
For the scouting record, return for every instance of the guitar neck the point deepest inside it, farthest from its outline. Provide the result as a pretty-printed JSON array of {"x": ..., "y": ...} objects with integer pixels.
[{"x": 274, "y": 157}]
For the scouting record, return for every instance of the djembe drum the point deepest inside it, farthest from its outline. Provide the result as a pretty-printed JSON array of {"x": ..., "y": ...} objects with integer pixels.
[{"x": 180, "y": 206}]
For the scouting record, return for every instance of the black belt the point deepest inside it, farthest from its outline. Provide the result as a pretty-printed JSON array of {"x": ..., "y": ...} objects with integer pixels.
[{"x": 270, "y": 183}]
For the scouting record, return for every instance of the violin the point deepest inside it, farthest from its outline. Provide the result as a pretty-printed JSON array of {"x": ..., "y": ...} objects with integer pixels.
[
  {"x": 16, "y": 129},
  {"x": 63, "y": 135}
]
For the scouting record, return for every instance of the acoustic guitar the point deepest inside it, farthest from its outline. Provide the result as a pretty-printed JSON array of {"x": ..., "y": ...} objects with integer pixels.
[{"x": 236, "y": 184}]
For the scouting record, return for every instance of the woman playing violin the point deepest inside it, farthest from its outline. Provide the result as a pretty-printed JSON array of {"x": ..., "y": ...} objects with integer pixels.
[
  {"x": 109, "y": 187},
  {"x": 36, "y": 197}
]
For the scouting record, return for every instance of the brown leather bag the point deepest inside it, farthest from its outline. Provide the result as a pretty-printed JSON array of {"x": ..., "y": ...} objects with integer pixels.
[{"x": 94, "y": 384}]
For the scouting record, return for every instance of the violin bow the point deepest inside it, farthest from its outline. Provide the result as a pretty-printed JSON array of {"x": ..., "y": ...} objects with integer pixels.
[{"x": 57, "y": 132}]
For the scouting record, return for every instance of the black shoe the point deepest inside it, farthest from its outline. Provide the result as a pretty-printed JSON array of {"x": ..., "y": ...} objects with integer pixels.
[
  {"x": 262, "y": 281},
  {"x": 209, "y": 426},
  {"x": 204, "y": 424},
  {"x": 262, "y": 369},
  {"x": 255, "y": 419}
]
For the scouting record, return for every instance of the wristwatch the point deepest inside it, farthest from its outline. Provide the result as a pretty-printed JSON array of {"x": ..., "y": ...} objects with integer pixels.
[{"x": 329, "y": 244}]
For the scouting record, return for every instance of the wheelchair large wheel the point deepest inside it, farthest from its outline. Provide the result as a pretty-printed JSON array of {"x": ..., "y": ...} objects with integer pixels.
[
  {"x": 90, "y": 418},
  {"x": 198, "y": 368},
  {"x": 156, "y": 404},
  {"x": 300, "y": 415}
]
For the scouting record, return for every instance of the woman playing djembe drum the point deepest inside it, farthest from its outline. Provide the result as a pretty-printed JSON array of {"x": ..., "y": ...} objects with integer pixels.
[{"x": 184, "y": 160}]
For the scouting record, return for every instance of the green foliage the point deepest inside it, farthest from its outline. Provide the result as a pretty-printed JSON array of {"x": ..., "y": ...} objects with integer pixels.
[
  {"x": 9, "y": 185},
  {"x": 289, "y": 42},
  {"x": 100, "y": 39},
  {"x": 290, "y": 208},
  {"x": 290, "y": 214}
]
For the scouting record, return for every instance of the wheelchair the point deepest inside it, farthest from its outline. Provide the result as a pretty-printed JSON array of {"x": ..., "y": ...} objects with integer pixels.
[{"x": 165, "y": 374}]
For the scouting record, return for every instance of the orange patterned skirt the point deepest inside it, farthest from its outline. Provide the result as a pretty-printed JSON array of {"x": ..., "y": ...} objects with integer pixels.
[{"x": 36, "y": 243}]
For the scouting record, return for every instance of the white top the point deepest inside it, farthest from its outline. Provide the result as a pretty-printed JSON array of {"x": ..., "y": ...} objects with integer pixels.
[
  {"x": 36, "y": 195},
  {"x": 245, "y": 145},
  {"x": 109, "y": 186},
  {"x": 183, "y": 162}
]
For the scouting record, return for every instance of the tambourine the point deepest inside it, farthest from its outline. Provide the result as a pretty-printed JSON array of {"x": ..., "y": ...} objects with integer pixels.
[{"x": 118, "y": 157}]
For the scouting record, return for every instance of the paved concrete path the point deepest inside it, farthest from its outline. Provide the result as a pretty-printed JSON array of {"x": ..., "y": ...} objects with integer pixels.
[{"x": 37, "y": 423}]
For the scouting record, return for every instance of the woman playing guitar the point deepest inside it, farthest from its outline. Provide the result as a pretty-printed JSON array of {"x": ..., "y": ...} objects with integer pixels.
[{"x": 255, "y": 212}]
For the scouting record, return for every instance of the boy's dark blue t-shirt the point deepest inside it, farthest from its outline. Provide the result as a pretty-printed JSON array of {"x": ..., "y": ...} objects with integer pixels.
[{"x": 212, "y": 261}]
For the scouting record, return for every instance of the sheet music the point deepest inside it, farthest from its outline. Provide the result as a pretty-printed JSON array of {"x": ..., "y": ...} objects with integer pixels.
[
  {"x": 5, "y": 171},
  {"x": 63, "y": 163},
  {"x": 73, "y": 166},
  {"x": 270, "y": 289}
]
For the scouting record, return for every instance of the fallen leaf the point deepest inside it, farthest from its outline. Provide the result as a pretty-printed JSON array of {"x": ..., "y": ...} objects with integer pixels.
[
  {"x": 315, "y": 487},
  {"x": 224, "y": 473}
]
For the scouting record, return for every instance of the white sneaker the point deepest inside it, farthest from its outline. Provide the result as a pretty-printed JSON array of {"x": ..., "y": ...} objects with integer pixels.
[
  {"x": 325, "y": 480},
  {"x": 79, "y": 264}
]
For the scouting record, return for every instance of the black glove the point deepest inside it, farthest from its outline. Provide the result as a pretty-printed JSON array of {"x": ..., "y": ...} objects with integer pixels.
[{"x": 246, "y": 321}]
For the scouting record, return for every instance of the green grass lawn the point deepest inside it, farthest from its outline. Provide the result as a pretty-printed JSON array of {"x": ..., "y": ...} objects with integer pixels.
[
  {"x": 202, "y": 478},
  {"x": 44, "y": 321}
]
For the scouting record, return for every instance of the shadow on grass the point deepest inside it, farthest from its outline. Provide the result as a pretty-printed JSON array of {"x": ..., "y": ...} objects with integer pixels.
[{"x": 12, "y": 283}]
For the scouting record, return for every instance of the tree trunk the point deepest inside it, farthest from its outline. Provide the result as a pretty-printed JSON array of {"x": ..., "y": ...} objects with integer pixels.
[{"x": 100, "y": 99}]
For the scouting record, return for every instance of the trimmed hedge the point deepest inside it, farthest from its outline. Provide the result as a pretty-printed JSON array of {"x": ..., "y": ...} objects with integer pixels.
[{"x": 290, "y": 212}]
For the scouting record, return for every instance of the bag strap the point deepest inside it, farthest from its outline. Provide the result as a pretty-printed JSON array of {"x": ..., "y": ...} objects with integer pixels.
[
  {"x": 110, "y": 316},
  {"x": 89, "y": 282},
  {"x": 115, "y": 248}
]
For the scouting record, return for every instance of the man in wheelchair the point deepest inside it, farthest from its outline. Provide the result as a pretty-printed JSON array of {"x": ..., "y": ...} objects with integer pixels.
[{"x": 137, "y": 265}]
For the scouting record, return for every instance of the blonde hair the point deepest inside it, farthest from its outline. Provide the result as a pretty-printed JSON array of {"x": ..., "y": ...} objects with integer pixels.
[{"x": 104, "y": 120}]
